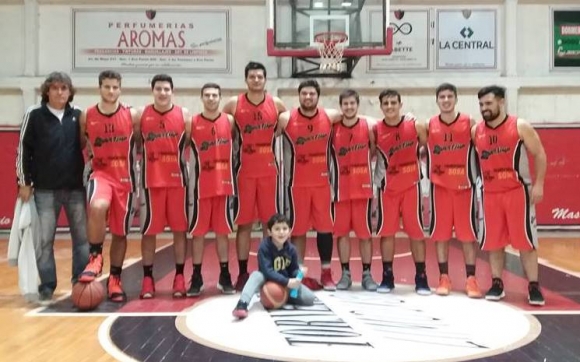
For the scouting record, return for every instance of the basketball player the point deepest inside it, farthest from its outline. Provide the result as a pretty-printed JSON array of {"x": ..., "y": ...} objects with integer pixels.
[
  {"x": 211, "y": 186},
  {"x": 111, "y": 130},
  {"x": 451, "y": 167},
  {"x": 353, "y": 144},
  {"x": 503, "y": 142},
  {"x": 256, "y": 115},
  {"x": 306, "y": 134},
  {"x": 165, "y": 129},
  {"x": 398, "y": 174}
]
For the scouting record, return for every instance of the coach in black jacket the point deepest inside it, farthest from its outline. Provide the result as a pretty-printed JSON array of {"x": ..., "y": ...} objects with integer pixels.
[{"x": 50, "y": 162}]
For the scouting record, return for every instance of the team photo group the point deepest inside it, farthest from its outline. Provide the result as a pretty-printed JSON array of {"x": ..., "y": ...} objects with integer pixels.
[{"x": 294, "y": 168}]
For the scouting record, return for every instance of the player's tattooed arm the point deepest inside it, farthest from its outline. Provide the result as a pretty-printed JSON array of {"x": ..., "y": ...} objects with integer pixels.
[{"x": 136, "y": 118}]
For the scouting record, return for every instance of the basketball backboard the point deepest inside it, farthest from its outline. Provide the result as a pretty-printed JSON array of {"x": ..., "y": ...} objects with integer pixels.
[{"x": 294, "y": 24}]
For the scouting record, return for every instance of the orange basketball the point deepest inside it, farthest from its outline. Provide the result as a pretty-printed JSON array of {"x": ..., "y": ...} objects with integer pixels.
[
  {"x": 273, "y": 295},
  {"x": 88, "y": 296}
]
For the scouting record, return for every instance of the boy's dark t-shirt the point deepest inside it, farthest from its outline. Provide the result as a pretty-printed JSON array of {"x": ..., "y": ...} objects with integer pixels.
[{"x": 277, "y": 265}]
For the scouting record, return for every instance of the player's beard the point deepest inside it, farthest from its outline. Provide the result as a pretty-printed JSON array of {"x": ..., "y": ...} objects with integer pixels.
[
  {"x": 490, "y": 116},
  {"x": 309, "y": 108}
]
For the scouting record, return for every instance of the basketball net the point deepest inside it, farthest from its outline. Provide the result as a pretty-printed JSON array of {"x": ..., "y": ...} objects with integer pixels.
[{"x": 331, "y": 48}]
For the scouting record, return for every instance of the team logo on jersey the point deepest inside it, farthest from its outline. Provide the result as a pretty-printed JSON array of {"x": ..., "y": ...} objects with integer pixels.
[
  {"x": 152, "y": 136},
  {"x": 314, "y": 137},
  {"x": 249, "y": 128},
  {"x": 401, "y": 146},
  {"x": 150, "y": 14},
  {"x": 452, "y": 147},
  {"x": 343, "y": 151},
  {"x": 361, "y": 326},
  {"x": 100, "y": 141},
  {"x": 494, "y": 151},
  {"x": 206, "y": 145}
]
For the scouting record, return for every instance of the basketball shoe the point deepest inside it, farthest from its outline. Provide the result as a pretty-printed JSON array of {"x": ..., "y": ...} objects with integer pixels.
[
  {"x": 241, "y": 310},
  {"x": 225, "y": 284},
  {"x": 93, "y": 269},
  {"x": 179, "y": 290},
  {"x": 147, "y": 288},
  {"x": 196, "y": 286},
  {"x": 115, "y": 289},
  {"x": 444, "y": 285},
  {"x": 472, "y": 288},
  {"x": 326, "y": 280}
]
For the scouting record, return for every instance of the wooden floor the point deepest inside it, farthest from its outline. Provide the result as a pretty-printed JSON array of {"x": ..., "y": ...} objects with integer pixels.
[
  {"x": 49, "y": 338},
  {"x": 46, "y": 338}
]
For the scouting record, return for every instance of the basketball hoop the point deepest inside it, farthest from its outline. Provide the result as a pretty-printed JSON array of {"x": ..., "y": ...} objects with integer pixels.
[{"x": 331, "y": 46}]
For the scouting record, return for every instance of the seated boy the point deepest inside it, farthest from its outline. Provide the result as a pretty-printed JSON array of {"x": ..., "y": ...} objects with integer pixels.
[{"x": 277, "y": 262}]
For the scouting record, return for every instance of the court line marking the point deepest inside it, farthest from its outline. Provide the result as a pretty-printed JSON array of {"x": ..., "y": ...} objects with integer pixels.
[
  {"x": 107, "y": 344},
  {"x": 113, "y": 314},
  {"x": 547, "y": 264},
  {"x": 376, "y": 257},
  {"x": 551, "y": 312},
  {"x": 127, "y": 263}
]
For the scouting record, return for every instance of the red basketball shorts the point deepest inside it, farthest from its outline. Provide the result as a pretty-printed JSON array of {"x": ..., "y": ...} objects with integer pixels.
[
  {"x": 508, "y": 219},
  {"x": 211, "y": 214},
  {"x": 310, "y": 207},
  {"x": 453, "y": 210},
  {"x": 396, "y": 206},
  {"x": 353, "y": 215},
  {"x": 257, "y": 199},
  {"x": 120, "y": 203},
  {"x": 162, "y": 206}
]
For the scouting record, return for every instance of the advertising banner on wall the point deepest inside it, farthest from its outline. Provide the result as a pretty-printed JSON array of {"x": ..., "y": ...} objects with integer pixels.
[
  {"x": 466, "y": 39},
  {"x": 410, "y": 40},
  {"x": 136, "y": 40},
  {"x": 561, "y": 203},
  {"x": 566, "y": 38},
  {"x": 558, "y": 208}
]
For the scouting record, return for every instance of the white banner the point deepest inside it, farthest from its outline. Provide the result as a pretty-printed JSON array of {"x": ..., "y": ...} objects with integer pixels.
[
  {"x": 410, "y": 41},
  {"x": 467, "y": 39},
  {"x": 145, "y": 40}
]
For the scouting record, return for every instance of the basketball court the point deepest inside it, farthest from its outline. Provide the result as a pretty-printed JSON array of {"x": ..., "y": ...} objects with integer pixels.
[
  {"x": 342, "y": 326},
  {"x": 321, "y": 39}
]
